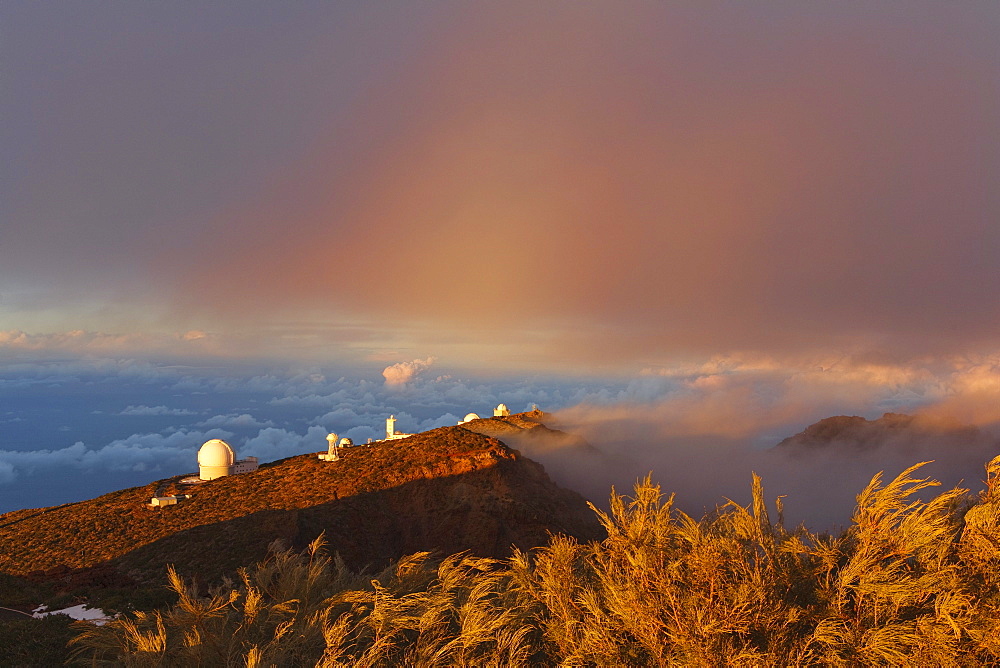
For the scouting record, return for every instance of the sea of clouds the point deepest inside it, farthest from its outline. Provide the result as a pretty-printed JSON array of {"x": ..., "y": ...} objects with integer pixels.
[{"x": 73, "y": 429}]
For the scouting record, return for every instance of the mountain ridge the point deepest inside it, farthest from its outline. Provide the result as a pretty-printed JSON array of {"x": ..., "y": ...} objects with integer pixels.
[
  {"x": 856, "y": 432},
  {"x": 450, "y": 489}
]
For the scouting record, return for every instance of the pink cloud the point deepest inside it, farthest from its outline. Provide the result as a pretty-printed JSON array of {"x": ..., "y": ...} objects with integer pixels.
[{"x": 401, "y": 373}]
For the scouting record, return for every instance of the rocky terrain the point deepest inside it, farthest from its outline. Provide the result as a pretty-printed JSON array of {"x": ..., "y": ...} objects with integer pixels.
[{"x": 447, "y": 490}]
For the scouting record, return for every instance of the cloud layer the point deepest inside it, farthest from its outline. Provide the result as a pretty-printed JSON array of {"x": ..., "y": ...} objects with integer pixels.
[
  {"x": 703, "y": 428},
  {"x": 126, "y": 422},
  {"x": 699, "y": 427}
]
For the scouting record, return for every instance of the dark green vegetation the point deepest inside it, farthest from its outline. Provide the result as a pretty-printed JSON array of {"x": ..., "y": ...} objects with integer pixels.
[
  {"x": 35, "y": 642},
  {"x": 908, "y": 583}
]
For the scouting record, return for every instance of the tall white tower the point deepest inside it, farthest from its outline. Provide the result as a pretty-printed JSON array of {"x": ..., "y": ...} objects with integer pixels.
[
  {"x": 331, "y": 454},
  {"x": 390, "y": 430}
]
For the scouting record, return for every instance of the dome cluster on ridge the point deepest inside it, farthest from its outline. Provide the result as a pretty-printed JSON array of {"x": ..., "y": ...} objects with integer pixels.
[{"x": 216, "y": 458}]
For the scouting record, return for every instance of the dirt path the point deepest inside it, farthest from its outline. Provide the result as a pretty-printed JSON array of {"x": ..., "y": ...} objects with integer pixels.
[{"x": 11, "y": 613}]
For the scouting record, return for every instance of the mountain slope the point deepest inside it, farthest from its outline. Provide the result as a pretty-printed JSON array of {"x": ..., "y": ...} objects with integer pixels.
[
  {"x": 569, "y": 458},
  {"x": 449, "y": 489},
  {"x": 890, "y": 430}
]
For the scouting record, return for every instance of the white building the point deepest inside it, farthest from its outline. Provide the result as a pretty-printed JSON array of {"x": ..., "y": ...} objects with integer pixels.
[
  {"x": 390, "y": 430},
  {"x": 501, "y": 411},
  {"x": 217, "y": 459},
  {"x": 469, "y": 418},
  {"x": 332, "y": 453},
  {"x": 168, "y": 500}
]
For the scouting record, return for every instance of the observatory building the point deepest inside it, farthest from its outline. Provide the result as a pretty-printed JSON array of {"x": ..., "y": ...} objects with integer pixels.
[
  {"x": 501, "y": 411},
  {"x": 217, "y": 459},
  {"x": 160, "y": 501},
  {"x": 332, "y": 453},
  {"x": 470, "y": 417},
  {"x": 390, "y": 430}
]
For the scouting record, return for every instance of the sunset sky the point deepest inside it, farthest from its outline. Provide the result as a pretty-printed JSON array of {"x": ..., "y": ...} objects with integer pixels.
[{"x": 779, "y": 208}]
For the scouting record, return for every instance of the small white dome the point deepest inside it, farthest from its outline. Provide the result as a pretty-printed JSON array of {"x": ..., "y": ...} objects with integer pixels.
[
  {"x": 346, "y": 442},
  {"x": 216, "y": 453},
  {"x": 470, "y": 417}
]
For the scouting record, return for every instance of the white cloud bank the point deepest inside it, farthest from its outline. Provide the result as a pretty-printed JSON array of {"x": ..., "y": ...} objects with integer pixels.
[
  {"x": 401, "y": 373},
  {"x": 84, "y": 342},
  {"x": 701, "y": 429},
  {"x": 156, "y": 410},
  {"x": 244, "y": 420},
  {"x": 167, "y": 454}
]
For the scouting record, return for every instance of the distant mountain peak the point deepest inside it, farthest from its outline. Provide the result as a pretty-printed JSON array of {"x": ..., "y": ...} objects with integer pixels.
[{"x": 856, "y": 432}]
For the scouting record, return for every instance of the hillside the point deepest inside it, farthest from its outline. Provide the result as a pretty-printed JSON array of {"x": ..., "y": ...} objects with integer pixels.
[
  {"x": 859, "y": 434},
  {"x": 909, "y": 583},
  {"x": 528, "y": 433},
  {"x": 449, "y": 489},
  {"x": 569, "y": 458}
]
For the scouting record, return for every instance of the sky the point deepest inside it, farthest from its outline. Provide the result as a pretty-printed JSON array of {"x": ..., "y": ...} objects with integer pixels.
[{"x": 727, "y": 219}]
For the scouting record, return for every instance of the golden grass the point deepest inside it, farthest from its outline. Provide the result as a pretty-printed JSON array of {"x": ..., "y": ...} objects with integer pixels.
[{"x": 910, "y": 582}]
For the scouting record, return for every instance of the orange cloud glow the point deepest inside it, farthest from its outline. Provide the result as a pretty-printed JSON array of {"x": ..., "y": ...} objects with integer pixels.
[
  {"x": 520, "y": 184},
  {"x": 602, "y": 190}
]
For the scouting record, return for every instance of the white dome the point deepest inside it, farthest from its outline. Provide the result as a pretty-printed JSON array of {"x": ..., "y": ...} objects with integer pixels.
[
  {"x": 216, "y": 453},
  {"x": 346, "y": 442},
  {"x": 470, "y": 417}
]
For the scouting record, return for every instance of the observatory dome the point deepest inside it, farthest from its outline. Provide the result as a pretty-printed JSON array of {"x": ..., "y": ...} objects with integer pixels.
[
  {"x": 470, "y": 417},
  {"x": 346, "y": 442},
  {"x": 216, "y": 453}
]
